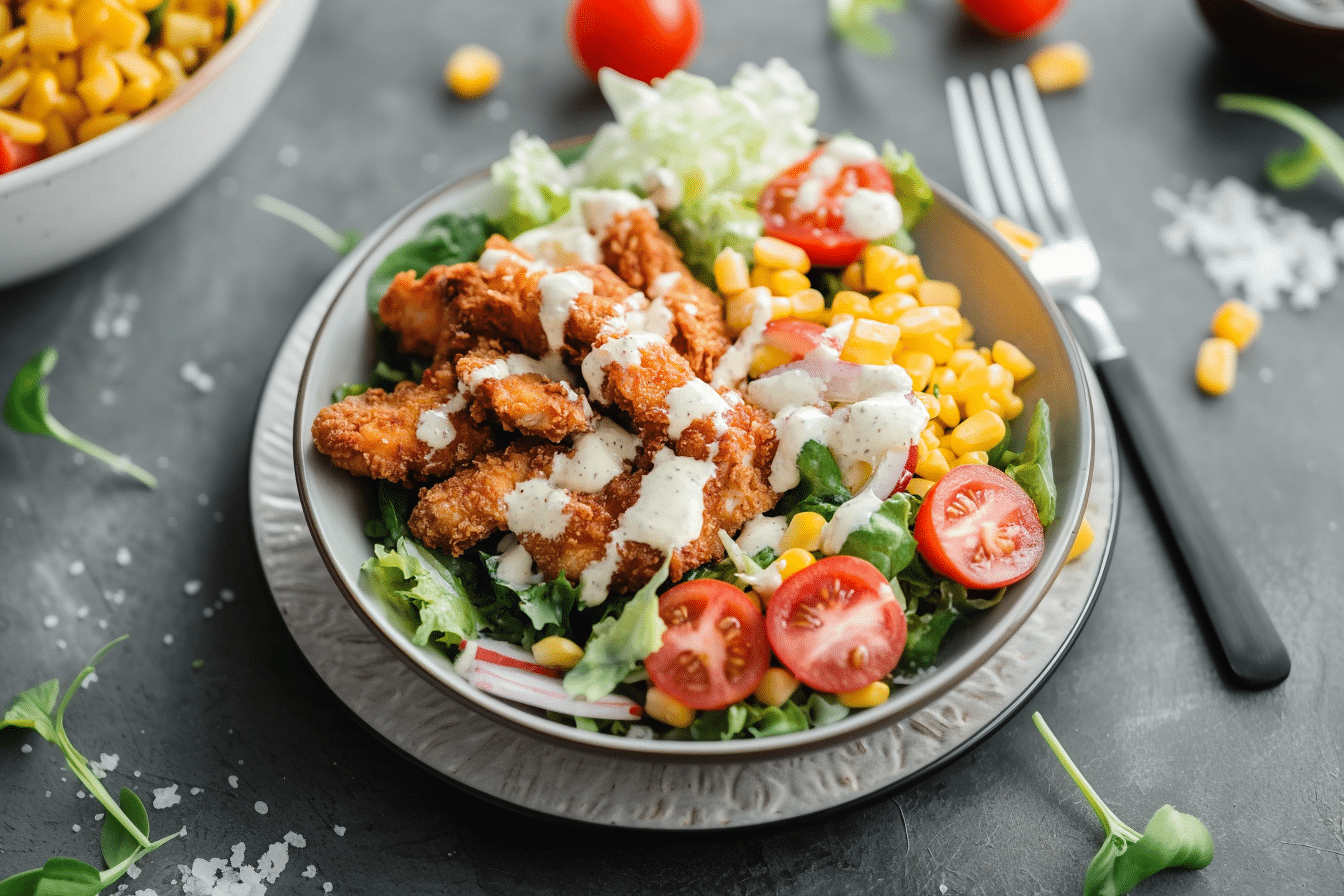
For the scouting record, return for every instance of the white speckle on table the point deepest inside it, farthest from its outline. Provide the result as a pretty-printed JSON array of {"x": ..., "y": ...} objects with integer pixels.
[
  {"x": 77, "y": 568},
  {"x": 309, "y": 872},
  {"x": 288, "y": 155},
  {"x": 261, "y": 807},
  {"x": 132, "y": 871},
  {"x": 429, "y": 162},
  {"x": 51, "y": 621},
  {"x": 108, "y": 761},
  {"x": 233, "y": 781},
  {"x": 227, "y": 186},
  {"x": 207, "y": 612},
  {"x": 339, "y": 830},
  {"x": 114, "y": 314},
  {"x": 192, "y": 587},
  {"x": 102, "y": 623},
  {"x": 75, "y": 828},
  {"x": 79, "y": 794},
  {"x": 168, "y": 639},
  {"x": 226, "y": 595},
  {"x": 123, "y": 556},
  {"x": 82, "y": 613},
  {"x": 98, "y": 817},
  {"x": 497, "y": 110},
  {"x": 60, "y": 642},
  {"x": 326, "y": 887},
  {"x": 192, "y": 374},
  {"x": 136, "y": 773},
  {"x": 26, "y": 748},
  {"x": 107, "y": 396},
  {"x": 116, "y": 596},
  {"x": 166, "y": 796},
  {"x": 162, "y": 463}
]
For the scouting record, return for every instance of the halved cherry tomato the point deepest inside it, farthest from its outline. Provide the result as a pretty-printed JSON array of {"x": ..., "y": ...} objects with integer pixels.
[
  {"x": 820, "y": 231},
  {"x": 836, "y": 624},
  {"x": 978, "y": 527},
  {"x": 642, "y": 39},
  {"x": 14, "y": 154},
  {"x": 795, "y": 335},
  {"x": 714, "y": 651},
  {"x": 1012, "y": 18}
]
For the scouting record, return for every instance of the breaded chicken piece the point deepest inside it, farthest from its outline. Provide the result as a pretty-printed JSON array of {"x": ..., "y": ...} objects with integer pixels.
[
  {"x": 414, "y": 309},
  {"x": 513, "y": 390},
  {"x": 378, "y": 433},
  {"x": 637, "y": 249}
]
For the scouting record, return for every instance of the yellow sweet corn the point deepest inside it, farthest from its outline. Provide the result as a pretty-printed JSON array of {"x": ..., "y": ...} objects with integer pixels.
[
  {"x": 948, "y": 412},
  {"x": 776, "y": 253},
  {"x": 930, "y": 403},
  {"x": 13, "y": 43},
  {"x": 1238, "y": 322},
  {"x": 938, "y": 292},
  {"x": 852, "y": 276},
  {"x": 767, "y": 358},
  {"x": 96, "y": 125},
  {"x": 919, "y": 487},
  {"x": 1011, "y": 357},
  {"x": 804, "y": 532},
  {"x": 13, "y": 86},
  {"x": 930, "y": 320},
  {"x": 776, "y": 687},
  {"x": 788, "y": 281},
  {"x": 809, "y": 304},
  {"x": 870, "y": 342},
  {"x": 932, "y": 465},
  {"x": 51, "y": 30},
  {"x": 42, "y": 95},
  {"x": 1082, "y": 541},
  {"x": 762, "y": 275},
  {"x": 792, "y": 561},
  {"x": 730, "y": 272},
  {"x": 1060, "y": 66},
  {"x": 472, "y": 71},
  {"x": 1216, "y": 365},
  {"x": 888, "y": 306},
  {"x": 855, "y": 304},
  {"x": 972, "y": 457},
  {"x": 963, "y": 359},
  {"x": 556, "y": 652},
  {"x": 59, "y": 137},
  {"x": 667, "y": 709},
  {"x": 920, "y": 367},
  {"x": 979, "y": 432},
  {"x": 871, "y": 695},
  {"x": 99, "y": 87},
  {"x": 1023, "y": 241},
  {"x": 21, "y": 129},
  {"x": 184, "y": 30}
]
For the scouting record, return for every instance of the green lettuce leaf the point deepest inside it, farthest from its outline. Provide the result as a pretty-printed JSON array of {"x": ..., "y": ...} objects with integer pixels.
[
  {"x": 912, "y": 190},
  {"x": 820, "y": 488},
  {"x": 618, "y": 643},
  {"x": 413, "y": 575},
  {"x": 1033, "y": 469},
  {"x": 537, "y": 184},
  {"x": 547, "y": 605},
  {"x": 726, "y": 570},
  {"x": 448, "y": 239},
  {"x": 34, "y": 709},
  {"x": 885, "y": 541},
  {"x": 704, "y": 227}
]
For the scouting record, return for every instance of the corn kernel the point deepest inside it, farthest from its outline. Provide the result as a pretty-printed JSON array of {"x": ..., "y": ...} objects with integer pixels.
[
  {"x": 13, "y": 86},
  {"x": 776, "y": 687},
  {"x": 870, "y": 342},
  {"x": 100, "y": 87},
  {"x": 788, "y": 281},
  {"x": 932, "y": 466},
  {"x": 67, "y": 73},
  {"x": 972, "y": 382},
  {"x": 1082, "y": 541},
  {"x": 667, "y": 709},
  {"x": 1023, "y": 241},
  {"x": 1000, "y": 382},
  {"x": 96, "y": 125},
  {"x": 762, "y": 275},
  {"x": 966, "y": 333},
  {"x": 730, "y": 271},
  {"x": 89, "y": 19},
  {"x": 1011, "y": 357},
  {"x": 919, "y": 487},
  {"x": 472, "y": 71},
  {"x": 888, "y": 306},
  {"x": 59, "y": 137},
  {"x": 963, "y": 359},
  {"x": 979, "y": 432},
  {"x": 920, "y": 367},
  {"x": 981, "y": 402},
  {"x": 780, "y": 307},
  {"x": 856, "y": 475},
  {"x": 846, "y": 301},
  {"x": 930, "y": 402},
  {"x": 804, "y": 532},
  {"x": 792, "y": 561},
  {"x": 190, "y": 57},
  {"x": 948, "y": 412},
  {"x": 6, "y": 19},
  {"x": 809, "y": 304},
  {"x": 985, "y": 353},
  {"x": 556, "y": 652},
  {"x": 51, "y": 31},
  {"x": 93, "y": 54},
  {"x": 767, "y": 358},
  {"x": 1012, "y": 407},
  {"x": 22, "y": 129},
  {"x": 938, "y": 292},
  {"x": 943, "y": 380},
  {"x": 776, "y": 253},
  {"x": 972, "y": 457},
  {"x": 936, "y": 345},
  {"x": 852, "y": 276},
  {"x": 71, "y": 110},
  {"x": 136, "y": 67},
  {"x": 1236, "y": 321},
  {"x": 886, "y": 269},
  {"x": 183, "y": 30},
  {"x": 871, "y": 695},
  {"x": 929, "y": 320},
  {"x": 135, "y": 96},
  {"x": 13, "y": 43},
  {"x": 1216, "y": 366},
  {"x": 173, "y": 75},
  {"x": 1060, "y": 66},
  {"x": 41, "y": 97}
]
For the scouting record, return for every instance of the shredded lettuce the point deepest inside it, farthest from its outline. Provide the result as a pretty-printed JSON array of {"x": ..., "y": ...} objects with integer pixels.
[
  {"x": 537, "y": 184},
  {"x": 619, "y": 643},
  {"x": 704, "y": 227},
  {"x": 547, "y": 605},
  {"x": 413, "y": 575},
  {"x": 912, "y": 190}
]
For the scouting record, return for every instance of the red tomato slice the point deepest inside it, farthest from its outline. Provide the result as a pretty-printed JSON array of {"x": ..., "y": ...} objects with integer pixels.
[
  {"x": 796, "y": 336},
  {"x": 714, "y": 651},
  {"x": 836, "y": 624},
  {"x": 642, "y": 39},
  {"x": 14, "y": 154},
  {"x": 819, "y": 232},
  {"x": 1013, "y": 18},
  {"x": 978, "y": 527}
]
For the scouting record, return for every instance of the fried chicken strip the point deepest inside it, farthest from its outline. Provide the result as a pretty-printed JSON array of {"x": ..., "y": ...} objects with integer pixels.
[{"x": 522, "y": 394}]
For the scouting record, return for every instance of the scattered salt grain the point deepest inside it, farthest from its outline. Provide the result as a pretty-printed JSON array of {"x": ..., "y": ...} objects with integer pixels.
[
  {"x": 1252, "y": 247},
  {"x": 192, "y": 587},
  {"x": 289, "y": 155},
  {"x": 115, "y": 597},
  {"x": 136, "y": 773},
  {"x": 326, "y": 887},
  {"x": 114, "y": 315},
  {"x": 309, "y": 872},
  {"x": 26, "y": 748},
  {"x": 79, "y": 794},
  {"x": 109, "y": 761},
  {"x": 197, "y": 790},
  {"x": 233, "y": 781},
  {"x": 77, "y": 568},
  {"x": 51, "y": 621},
  {"x": 98, "y": 817},
  {"x": 260, "y": 807},
  {"x": 82, "y": 613},
  {"x": 102, "y": 623},
  {"x": 123, "y": 556},
  {"x": 497, "y": 110},
  {"x": 60, "y": 642},
  {"x": 226, "y": 594},
  {"x": 339, "y": 830},
  {"x": 75, "y": 828},
  {"x": 147, "y": 892},
  {"x": 133, "y": 871},
  {"x": 207, "y": 612},
  {"x": 294, "y": 839},
  {"x": 193, "y": 375},
  {"x": 168, "y": 639},
  {"x": 234, "y": 877},
  {"x": 166, "y": 796}
]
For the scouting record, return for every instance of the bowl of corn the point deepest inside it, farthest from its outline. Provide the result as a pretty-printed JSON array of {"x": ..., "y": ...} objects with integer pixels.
[{"x": 120, "y": 107}]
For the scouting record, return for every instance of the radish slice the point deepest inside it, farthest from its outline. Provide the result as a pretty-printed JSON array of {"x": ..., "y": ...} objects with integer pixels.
[
  {"x": 893, "y": 472},
  {"x": 545, "y": 692},
  {"x": 499, "y": 653}
]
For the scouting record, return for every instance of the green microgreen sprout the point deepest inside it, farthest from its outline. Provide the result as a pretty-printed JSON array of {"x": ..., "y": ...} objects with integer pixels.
[
  {"x": 340, "y": 243},
  {"x": 125, "y": 835},
  {"x": 1293, "y": 169},
  {"x": 855, "y": 21},
  {"x": 26, "y": 411},
  {"x": 1172, "y": 839}
]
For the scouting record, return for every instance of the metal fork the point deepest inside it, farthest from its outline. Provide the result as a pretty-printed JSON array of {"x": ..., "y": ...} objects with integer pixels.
[{"x": 1011, "y": 169}]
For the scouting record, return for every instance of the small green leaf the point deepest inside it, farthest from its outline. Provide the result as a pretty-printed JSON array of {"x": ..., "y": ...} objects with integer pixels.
[
  {"x": 58, "y": 877},
  {"x": 618, "y": 644},
  {"x": 118, "y": 843},
  {"x": 33, "y": 709},
  {"x": 885, "y": 540},
  {"x": 26, "y": 411},
  {"x": 230, "y": 19},
  {"x": 155, "y": 17},
  {"x": 820, "y": 488},
  {"x": 855, "y": 21},
  {"x": 1293, "y": 169},
  {"x": 1033, "y": 469}
]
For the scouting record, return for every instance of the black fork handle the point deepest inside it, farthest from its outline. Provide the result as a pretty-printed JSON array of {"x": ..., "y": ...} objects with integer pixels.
[{"x": 1251, "y": 643}]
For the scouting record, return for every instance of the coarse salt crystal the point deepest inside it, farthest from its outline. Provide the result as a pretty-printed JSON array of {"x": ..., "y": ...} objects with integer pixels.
[
  {"x": 260, "y": 807},
  {"x": 166, "y": 796},
  {"x": 123, "y": 556},
  {"x": 26, "y": 748},
  {"x": 192, "y": 587},
  {"x": 339, "y": 830},
  {"x": 233, "y": 781},
  {"x": 51, "y": 621}
]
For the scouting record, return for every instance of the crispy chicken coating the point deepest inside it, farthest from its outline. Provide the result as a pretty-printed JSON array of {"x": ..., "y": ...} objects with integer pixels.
[{"x": 511, "y": 390}]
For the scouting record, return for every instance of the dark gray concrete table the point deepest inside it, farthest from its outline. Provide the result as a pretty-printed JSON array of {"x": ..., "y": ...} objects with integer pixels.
[{"x": 363, "y": 125}]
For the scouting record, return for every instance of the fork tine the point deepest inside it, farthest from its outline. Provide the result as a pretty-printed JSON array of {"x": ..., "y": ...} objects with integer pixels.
[
  {"x": 992, "y": 138},
  {"x": 1020, "y": 154},
  {"x": 979, "y": 188},
  {"x": 1053, "y": 178}
]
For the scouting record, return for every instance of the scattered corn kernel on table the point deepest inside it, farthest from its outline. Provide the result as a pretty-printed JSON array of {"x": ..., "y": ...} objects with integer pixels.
[{"x": 211, "y": 714}]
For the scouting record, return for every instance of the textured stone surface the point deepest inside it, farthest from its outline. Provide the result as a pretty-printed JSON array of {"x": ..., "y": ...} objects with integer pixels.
[{"x": 1140, "y": 700}]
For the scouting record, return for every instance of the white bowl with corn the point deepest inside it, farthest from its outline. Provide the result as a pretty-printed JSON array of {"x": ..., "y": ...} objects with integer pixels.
[{"x": 127, "y": 104}]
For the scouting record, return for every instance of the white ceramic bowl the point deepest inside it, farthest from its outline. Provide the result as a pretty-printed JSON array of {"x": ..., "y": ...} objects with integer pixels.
[
  {"x": 56, "y": 211},
  {"x": 999, "y": 297}
]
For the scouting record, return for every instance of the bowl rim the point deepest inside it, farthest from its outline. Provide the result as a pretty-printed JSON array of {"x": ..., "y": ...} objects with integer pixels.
[
  {"x": 80, "y": 154},
  {"x": 905, "y": 702},
  {"x": 1304, "y": 17}
]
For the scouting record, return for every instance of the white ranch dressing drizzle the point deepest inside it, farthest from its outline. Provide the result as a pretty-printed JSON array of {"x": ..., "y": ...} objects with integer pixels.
[
  {"x": 762, "y": 532},
  {"x": 558, "y": 292},
  {"x": 849, "y": 517},
  {"x": 598, "y": 457},
  {"x": 435, "y": 426},
  {"x": 625, "y": 350},
  {"x": 537, "y": 507},
  {"x": 795, "y": 428},
  {"x": 693, "y": 401},
  {"x": 668, "y": 514},
  {"x": 871, "y": 214},
  {"x": 560, "y": 244},
  {"x": 734, "y": 364},
  {"x": 490, "y": 259},
  {"x": 516, "y": 568}
]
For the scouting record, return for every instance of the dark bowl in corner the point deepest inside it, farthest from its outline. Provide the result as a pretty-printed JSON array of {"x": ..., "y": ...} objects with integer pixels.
[{"x": 1298, "y": 43}]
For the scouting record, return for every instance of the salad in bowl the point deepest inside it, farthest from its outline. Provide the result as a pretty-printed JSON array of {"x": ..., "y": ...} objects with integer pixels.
[{"x": 675, "y": 438}]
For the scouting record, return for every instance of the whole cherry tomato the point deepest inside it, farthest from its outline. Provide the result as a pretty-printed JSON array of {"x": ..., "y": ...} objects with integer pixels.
[
  {"x": 1012, "y": 18},
  {"x": 642, "y": 39}
]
